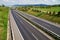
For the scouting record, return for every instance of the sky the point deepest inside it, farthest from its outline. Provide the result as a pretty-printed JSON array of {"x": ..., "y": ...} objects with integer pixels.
[{"x": 23, "y": 2}]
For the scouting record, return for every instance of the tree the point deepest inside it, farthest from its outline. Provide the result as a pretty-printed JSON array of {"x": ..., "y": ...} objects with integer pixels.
[{"x": 3, "y": 5}]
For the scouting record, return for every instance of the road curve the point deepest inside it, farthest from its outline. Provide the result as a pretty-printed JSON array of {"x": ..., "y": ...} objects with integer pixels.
[{"x": 28, "y": 31}]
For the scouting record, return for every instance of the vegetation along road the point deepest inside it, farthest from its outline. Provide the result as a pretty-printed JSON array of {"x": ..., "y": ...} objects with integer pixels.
[{"x": 3, "y": 22}]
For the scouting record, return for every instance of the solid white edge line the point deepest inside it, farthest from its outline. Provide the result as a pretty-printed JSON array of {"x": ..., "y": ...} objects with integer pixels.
[
  {"x": 17, "y": 29},
  {"x": 34, "y": 36}
]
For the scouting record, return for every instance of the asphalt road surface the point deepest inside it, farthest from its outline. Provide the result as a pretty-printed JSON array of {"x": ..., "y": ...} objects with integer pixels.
[
  {"x": 28, "y": 31},
  {"x": 49, "y": 26}
]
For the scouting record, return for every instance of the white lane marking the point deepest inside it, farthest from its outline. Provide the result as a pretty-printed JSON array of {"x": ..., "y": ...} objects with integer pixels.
[
  {"x": 38, "y": 30},
  {"x": 41, "y": 31},
  {"x": 35, "y": 36},
  {"x": 32, "y": 33}
]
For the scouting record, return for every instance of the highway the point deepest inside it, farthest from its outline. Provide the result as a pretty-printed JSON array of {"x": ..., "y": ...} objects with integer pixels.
[
  {"x": 28, "y": 31},
  {"x": 42, "y": 23}
]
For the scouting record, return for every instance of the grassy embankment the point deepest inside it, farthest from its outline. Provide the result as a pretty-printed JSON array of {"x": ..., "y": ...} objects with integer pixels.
[
  {"x": 3, "y": 22},
  {"x": 43, "y": 15}
]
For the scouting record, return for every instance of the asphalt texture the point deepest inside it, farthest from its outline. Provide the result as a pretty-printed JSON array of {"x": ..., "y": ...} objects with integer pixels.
[
  {"x": 28, "y": 31},
  {"x": 49, "y": 26}
]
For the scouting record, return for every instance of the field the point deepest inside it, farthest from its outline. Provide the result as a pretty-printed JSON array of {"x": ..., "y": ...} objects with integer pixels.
[
  {"x": 3, "y": 22},
  {"x": 42, "y": 12}
]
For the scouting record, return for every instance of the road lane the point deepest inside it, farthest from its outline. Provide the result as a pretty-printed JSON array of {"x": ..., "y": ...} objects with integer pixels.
[
  {"x": 28, "y": 32},
  {"x": 51, "y": 27}
]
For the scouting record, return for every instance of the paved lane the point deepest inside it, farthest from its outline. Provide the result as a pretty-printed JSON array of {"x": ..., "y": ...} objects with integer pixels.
[
  {"x": 49, "y": 26},
  {"x": 28, "y": 31}
]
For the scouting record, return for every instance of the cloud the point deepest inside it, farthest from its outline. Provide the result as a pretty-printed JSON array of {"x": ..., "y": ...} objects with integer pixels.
[
  {"x": 45, "y": 0},
  {"x": 51, "y": 2},
  {"x": 30, "y": 2},
  {"x": 37, "y": 1},
  {"x": 9, "y": 0},
  {"x": 12, "y": 1},
  {"x": 5, "y": 0}
]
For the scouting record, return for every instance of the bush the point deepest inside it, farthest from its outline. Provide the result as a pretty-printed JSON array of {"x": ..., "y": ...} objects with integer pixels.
[
  {"x": 58, "y": 13},
  {"x": 36, "y": 10},
  {"x": 53, "y": 13},
  {"x": 49, "y": 13}
]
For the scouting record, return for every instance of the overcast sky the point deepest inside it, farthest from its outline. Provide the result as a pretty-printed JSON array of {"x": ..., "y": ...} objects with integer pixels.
[{"x": 12, "y": 2}]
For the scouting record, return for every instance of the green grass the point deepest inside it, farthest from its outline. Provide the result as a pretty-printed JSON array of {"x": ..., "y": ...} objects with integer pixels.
[
  {"x": 3, "y": 23},
  {"x": 56, "y": 9},
  {"x": 43, "y": 15}
]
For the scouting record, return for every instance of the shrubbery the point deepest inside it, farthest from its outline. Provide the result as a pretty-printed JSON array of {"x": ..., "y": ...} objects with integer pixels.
[{"x": 54, "y": 13}]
